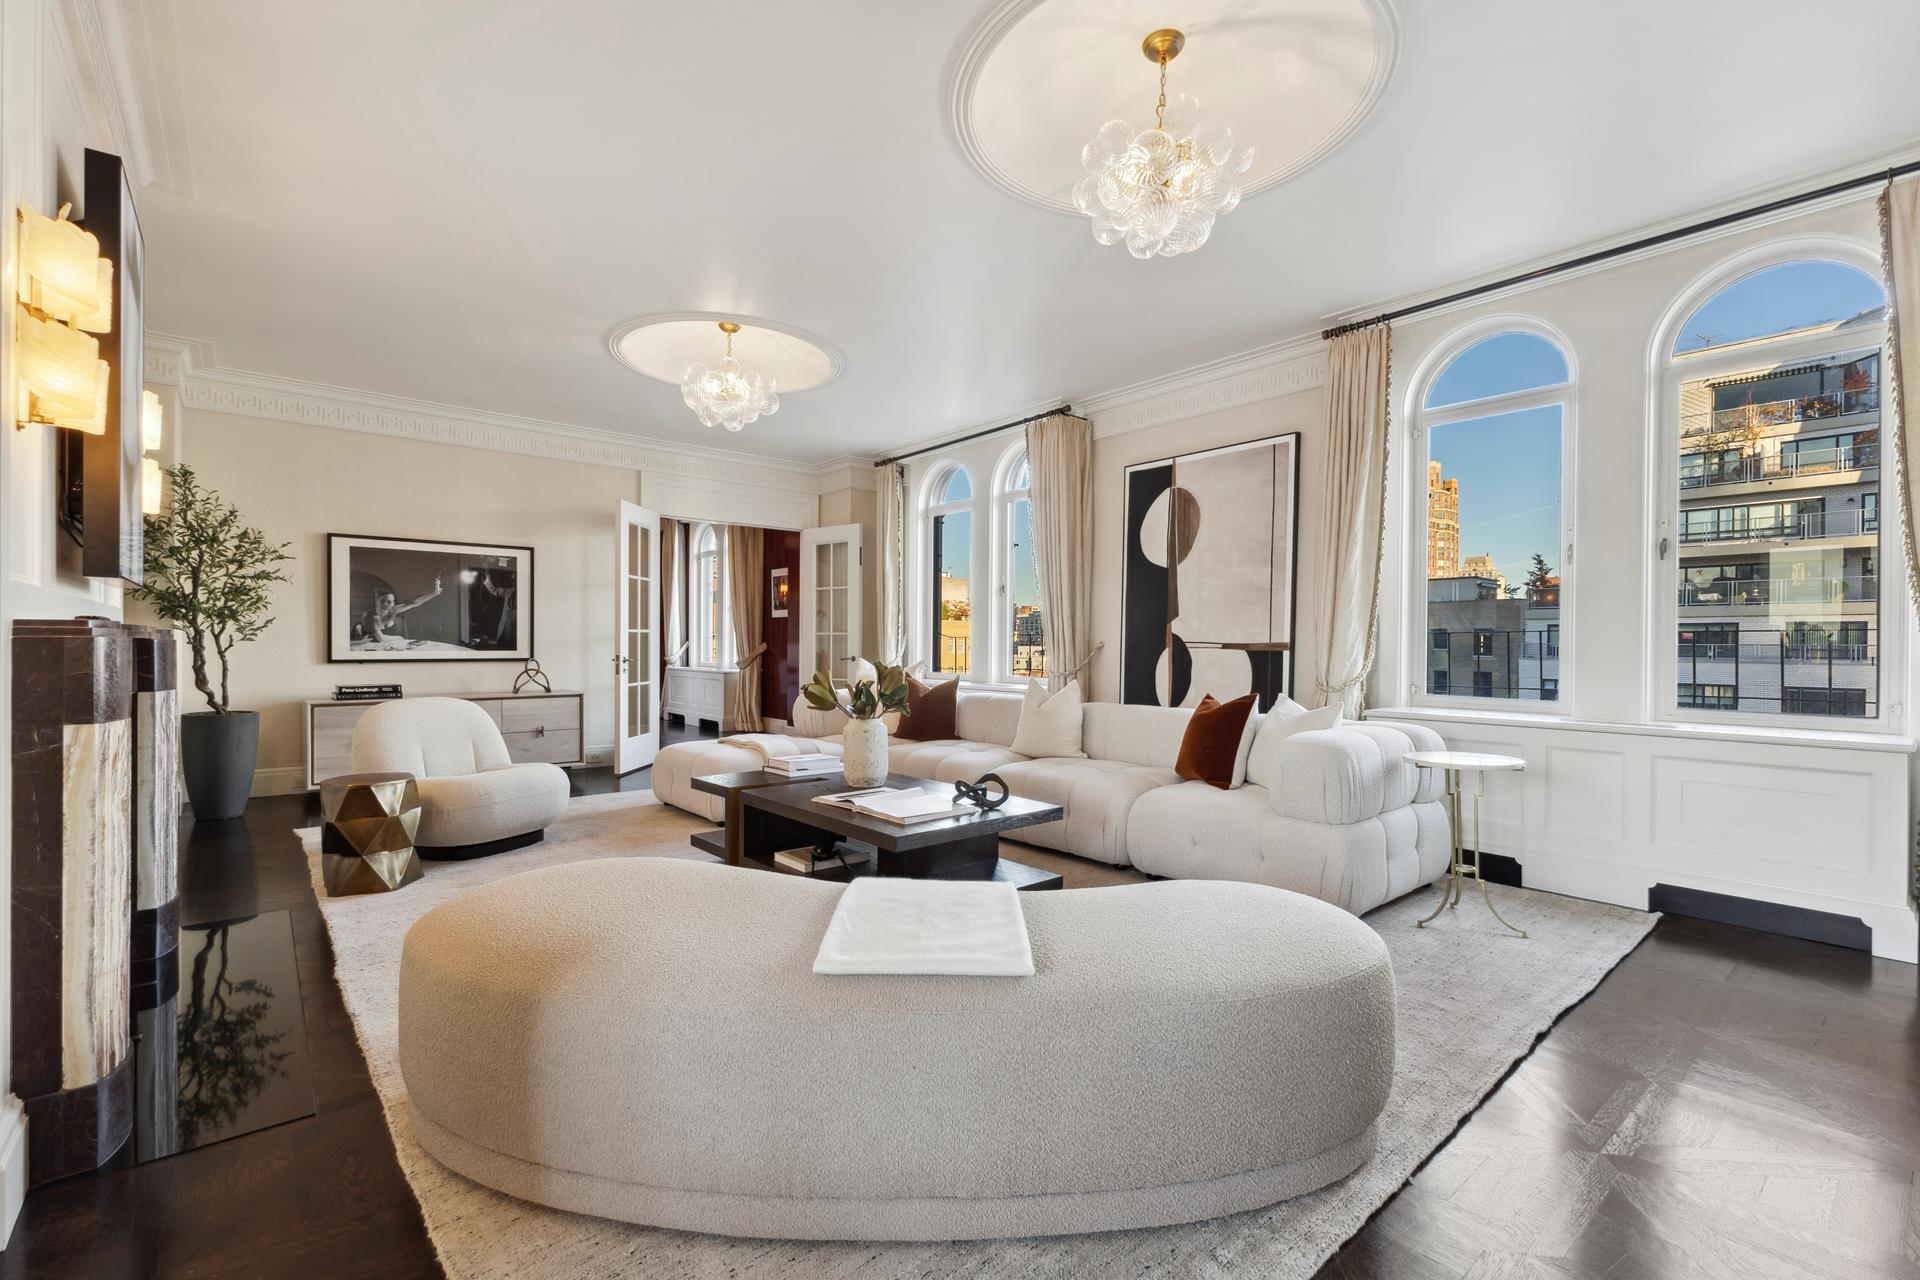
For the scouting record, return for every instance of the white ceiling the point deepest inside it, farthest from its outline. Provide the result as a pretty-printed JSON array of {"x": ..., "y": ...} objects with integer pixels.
[{"x": 461, "y": 200}]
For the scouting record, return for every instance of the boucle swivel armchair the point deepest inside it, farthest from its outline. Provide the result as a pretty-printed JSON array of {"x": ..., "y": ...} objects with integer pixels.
[{"x": 473, "y": 799}]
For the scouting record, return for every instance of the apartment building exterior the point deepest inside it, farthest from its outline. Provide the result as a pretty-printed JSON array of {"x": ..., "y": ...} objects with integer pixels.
[
  {"x": 1778, "y": 538},
  {"x": 1484, "y": 643},
  {"x": 1443, "y": 524}
]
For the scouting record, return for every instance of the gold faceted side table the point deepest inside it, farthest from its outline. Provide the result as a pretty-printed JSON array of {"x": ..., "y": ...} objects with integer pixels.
[{"x": 366, "y": 844}]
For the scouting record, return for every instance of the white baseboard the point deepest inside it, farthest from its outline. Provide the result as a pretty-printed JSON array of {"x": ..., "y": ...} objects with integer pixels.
[{"x": 13, "y": 1164}]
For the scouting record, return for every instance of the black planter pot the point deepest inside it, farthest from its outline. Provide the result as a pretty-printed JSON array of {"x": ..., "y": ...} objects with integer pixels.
[{"x": 217, "y": 754}]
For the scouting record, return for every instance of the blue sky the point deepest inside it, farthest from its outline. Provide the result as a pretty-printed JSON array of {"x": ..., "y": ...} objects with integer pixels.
[
  {"x": 1509, "y": 472},
  {"x": 1795, "y": 295}
]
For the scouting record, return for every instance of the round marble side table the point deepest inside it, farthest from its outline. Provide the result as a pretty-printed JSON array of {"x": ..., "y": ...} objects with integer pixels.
[
  {"x": 1453, "y": 764},
  {"x": 366, "y": 840}
]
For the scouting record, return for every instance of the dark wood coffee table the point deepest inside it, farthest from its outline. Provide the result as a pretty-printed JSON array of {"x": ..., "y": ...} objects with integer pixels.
[{"x": 767, "y": 813}]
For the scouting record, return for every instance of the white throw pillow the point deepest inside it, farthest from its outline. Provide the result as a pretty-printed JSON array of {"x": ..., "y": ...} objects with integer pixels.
[
  {"x": 1276, "y": 727},
  {"x": 1050, "y": 723},
  {"x": 1243, "y": 757}
]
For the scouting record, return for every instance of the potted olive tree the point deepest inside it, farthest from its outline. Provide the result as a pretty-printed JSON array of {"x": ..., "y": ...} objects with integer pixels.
[{"x": 209, "y": 573}]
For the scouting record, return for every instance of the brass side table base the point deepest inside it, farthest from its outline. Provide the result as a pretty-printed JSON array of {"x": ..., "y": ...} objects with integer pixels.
[
  {"x": 1459, "y": 870},
  {"x": 366, "y": 842}
]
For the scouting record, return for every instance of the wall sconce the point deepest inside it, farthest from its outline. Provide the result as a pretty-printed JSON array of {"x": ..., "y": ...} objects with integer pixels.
[
  {"x": 62, "y": 275},
  {"x": 152, "y": 419},
  {"x": 152, "y": 423},
  {"x": 66, "y": 294}
]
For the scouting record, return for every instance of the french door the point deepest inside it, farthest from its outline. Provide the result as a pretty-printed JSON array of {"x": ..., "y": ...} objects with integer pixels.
[
  {"x": 832, "y": 634},
  {"x": 636, "y": 659}
]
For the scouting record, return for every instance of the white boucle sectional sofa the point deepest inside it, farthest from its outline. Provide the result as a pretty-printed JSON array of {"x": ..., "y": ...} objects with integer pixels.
[{"x": 1334, "y": 813}]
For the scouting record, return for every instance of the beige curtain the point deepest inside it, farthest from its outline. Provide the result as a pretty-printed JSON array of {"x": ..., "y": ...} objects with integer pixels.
[
  {"x": 1354, "y": 483},
  {"x": 893, "y": 563},
  {"x": 746, "y": 592},
  {"x": 673, "y": 621},
  {"x": 1060, "y": 462},
  {"x": 1900, "y": 263}
]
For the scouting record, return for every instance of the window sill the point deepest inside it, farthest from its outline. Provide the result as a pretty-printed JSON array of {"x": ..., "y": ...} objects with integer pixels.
[{"x": 1756, "y": 734}]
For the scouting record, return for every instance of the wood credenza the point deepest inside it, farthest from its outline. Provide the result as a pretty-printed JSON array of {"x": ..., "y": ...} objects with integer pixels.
[{"x": 542, "y": 727}]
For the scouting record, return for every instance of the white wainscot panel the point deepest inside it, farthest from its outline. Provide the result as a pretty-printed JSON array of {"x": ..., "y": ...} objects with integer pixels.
[
  {"x": 1586, "y": 796},
  {"x": 1607, "y": 812},
  {"x": 1721, "y": 816}
]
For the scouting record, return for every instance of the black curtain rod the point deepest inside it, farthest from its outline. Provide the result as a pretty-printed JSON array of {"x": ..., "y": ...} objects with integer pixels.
[
  {"x": 1665, "y": 237},
  {"x": 948, "y": 444}
]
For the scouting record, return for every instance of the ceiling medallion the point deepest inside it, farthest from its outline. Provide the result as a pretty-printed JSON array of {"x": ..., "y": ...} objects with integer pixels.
[
  {"x": 1160, "y": 191},
  {"x": 727, "y": 396}
]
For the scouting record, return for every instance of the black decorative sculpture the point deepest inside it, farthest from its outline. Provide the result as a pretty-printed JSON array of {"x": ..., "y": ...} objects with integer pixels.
[{"x": 977, "y": 793}]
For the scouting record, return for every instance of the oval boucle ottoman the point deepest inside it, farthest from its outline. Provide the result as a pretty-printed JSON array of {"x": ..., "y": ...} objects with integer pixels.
[{"x": 644, "y": 1039}]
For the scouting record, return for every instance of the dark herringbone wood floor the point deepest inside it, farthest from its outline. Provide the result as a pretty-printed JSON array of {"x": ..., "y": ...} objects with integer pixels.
[{"x": 1726, "y": 1104}]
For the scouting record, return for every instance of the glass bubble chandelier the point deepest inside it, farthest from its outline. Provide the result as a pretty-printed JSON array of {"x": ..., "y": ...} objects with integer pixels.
[
  {"x": 1160, "y": 191},
  {"x": 726, "y": 396}
]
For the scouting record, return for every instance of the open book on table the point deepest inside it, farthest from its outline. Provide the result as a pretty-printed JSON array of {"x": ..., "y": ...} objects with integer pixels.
[{"x": 904, "y": 805}]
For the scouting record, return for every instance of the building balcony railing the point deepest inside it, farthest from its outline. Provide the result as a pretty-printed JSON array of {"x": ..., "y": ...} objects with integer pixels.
[
  {"x": 1771, "y": 651},
  {"x": 1733, "y": 592},
  {"x": 1769, "y": 413},
  {"x": 1815, "y": 524},
  {"x": 1697, "y": 473}
]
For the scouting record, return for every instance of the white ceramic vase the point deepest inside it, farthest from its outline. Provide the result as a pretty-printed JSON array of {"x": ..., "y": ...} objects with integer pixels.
[{"x": 864, "y": 753}]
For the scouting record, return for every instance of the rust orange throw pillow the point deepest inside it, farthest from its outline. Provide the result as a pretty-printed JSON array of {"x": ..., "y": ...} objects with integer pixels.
[
  {"x": 1212, "y": 741},
  {"x": 931, "y": 709}
]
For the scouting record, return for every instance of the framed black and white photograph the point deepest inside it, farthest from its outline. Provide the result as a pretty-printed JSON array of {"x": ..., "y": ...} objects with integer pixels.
[{"x": 417, "y": 600}]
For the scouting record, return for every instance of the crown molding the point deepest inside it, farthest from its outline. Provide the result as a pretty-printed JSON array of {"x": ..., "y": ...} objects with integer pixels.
[
  {"x": 1264, "y": 373},
  {"x": 95, "y": 51},
  {"x": 190, "y": 366}
]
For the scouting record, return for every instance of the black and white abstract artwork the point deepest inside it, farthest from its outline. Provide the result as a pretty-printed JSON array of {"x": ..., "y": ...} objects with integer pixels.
[
  {"x": 1210, "y": 565},
  {"x": 413, "y": 600}
]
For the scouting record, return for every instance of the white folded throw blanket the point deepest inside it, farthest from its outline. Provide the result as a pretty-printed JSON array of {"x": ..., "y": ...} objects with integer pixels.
[
  {"x": 893, "y": 925},
  {"x": 772, "y": 746}
]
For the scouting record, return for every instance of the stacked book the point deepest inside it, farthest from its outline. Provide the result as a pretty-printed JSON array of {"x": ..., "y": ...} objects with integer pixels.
[
  {"x": 902, "y": 805},
  {"x": 365, "y": 693},
  {"x": 807, "y": 861},
  {"x": 805, "y": 766}
]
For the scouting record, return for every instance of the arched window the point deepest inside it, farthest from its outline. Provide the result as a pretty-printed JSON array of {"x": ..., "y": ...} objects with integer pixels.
[
  {"x": 1494, "y": 421},
  {"x": 949, "y": 542},
  {"x": 712, "y": 626},
  {"x": 1024, "y": 640},
  {"x": 1770, "y": 545}
]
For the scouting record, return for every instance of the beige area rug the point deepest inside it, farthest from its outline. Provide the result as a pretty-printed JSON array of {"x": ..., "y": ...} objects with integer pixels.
[{"x": 1472, "y": 1001}]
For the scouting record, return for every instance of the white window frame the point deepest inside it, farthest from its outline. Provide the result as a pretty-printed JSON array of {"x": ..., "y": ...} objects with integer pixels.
[
  {"x": 1417, "y": 633},
  {"x": 928, "y": 598},
  {"x": 1005, "y": 496},
  {"x": 698, "y": 601},
  {"x": 1668, "y": 373}
]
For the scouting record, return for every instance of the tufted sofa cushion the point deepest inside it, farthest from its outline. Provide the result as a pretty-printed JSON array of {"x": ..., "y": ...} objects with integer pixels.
[
  {"x": 948, "y": 760},
  {"x": 1097, "y": 795},
  {"x": 1346, "y": 774},
  {"x": 1197, "y": 832},
  {"x": 1135, "y": 734},
  {"x": 988, "y": 716}
]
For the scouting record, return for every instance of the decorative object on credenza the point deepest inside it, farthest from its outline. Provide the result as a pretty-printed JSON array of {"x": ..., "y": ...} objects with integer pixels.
[
  {"x": 73, "y": 843},
  {"x": 980, "y": 792},
  {"x": 156, "y": 817},
  {"x": 1207, "y": 603},
  {"x": 211, "y": 574},
  {"x": 366, "y": 692},
  {"x": 531, "y": 677},
  {"x": 366, "y": 840},
  {"x": 864, "y": 758},
  {"x": 421, "y": 600},
  {"x": 780, "y": 592}
]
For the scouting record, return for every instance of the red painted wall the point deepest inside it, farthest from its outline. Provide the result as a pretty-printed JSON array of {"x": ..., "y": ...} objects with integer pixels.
[{"x": 780, "y": 673}]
